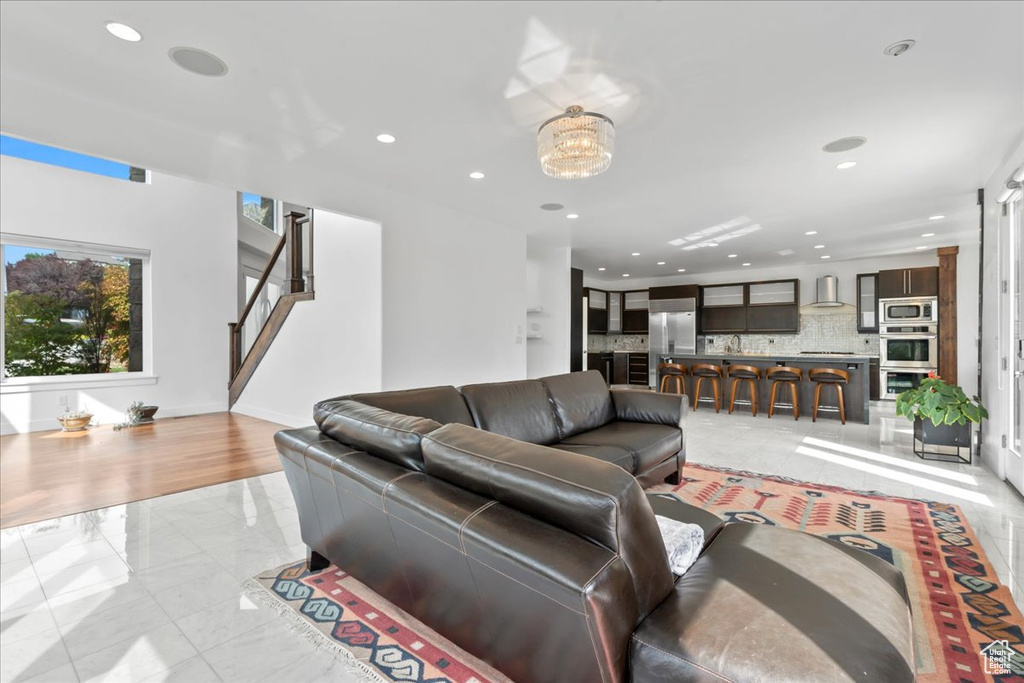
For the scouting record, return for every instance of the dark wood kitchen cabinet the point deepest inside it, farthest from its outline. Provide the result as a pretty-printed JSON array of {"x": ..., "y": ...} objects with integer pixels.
[
  {"x": 908, "y": 282},
  {"x": 771, "y": 306},
  {"x": 602, "y": 362},
  {"x": 634, "y": 312},
  {"x": 638, "y": 371},
  {"x": 597, "y": 311},
  {"x": 620, "y": 368},
  {"x": 674, "y": 292},
  {"x": 867, "y": 302}
]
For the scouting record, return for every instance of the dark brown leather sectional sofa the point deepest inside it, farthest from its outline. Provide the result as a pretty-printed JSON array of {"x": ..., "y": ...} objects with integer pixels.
[{"x": 533, "y": 545}]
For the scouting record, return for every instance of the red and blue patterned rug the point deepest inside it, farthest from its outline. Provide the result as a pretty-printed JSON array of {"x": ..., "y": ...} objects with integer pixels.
[{"x": 960, "y": 608}]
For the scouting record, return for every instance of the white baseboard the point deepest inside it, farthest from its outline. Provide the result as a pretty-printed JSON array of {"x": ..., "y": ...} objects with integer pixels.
[
  {"x": 272, "y": 416},
  {"x": 50, "y": 423}
]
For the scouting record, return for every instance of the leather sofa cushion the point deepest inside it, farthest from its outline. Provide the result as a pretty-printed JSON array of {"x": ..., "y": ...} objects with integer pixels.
[
  {"x": 441, "y": 404},
  {"x": 810, "y": 611},
  {"x": 634, "y": 405},
  {"x": 519, "y": 410},
  {"x": 582, "y": 495},
  {"x": 616, "y": 456},
  {"x": 650, "y": 444},
  {"x": 388, "y": 435},
  {"x": 581, "y": 401}
]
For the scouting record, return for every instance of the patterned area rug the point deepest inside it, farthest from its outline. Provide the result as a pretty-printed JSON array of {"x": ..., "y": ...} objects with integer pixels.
[
  {"x": 379, "y": 641},
  {"x": 960, "y": 608}
]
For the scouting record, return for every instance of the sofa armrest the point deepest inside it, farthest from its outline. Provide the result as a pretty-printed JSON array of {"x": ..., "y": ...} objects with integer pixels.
[{"x": 632, "y": 405}]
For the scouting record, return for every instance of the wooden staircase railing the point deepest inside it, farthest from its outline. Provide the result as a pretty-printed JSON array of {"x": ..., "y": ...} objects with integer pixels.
[{"x": 242, "y": 369}]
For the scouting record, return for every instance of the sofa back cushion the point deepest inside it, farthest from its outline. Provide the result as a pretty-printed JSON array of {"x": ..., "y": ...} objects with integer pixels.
[
  {"x": 520, "y": 410},
  {"x": 581, "y": 401},
  {"x": 388, "y": 435},
  {"x": 592, "y": 499},
  {"x": 441, "y": 404}
]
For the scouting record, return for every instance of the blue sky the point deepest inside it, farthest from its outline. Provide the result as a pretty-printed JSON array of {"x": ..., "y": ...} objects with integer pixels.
[
  {"x": 22, "y": 149},
  {"x": 13, "y": 254}
]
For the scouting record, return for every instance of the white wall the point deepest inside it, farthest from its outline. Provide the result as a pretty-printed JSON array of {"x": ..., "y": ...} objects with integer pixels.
[
  {"x": 331, "y": 345},
  {"x": 454, "y": 297},
  {"x": 547, "y": 289},
  {"x": 189, "y": 229},
  {"x": 995, "y": 344}
]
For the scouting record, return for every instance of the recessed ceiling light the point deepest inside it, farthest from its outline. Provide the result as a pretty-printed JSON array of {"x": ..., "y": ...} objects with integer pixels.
[
  {"x": 625, "y": 275},
  {"x": 826, "y": 256},
  {"x": 712, "y": 244},
  {"x": 475, "y": 175},
  {"x": 922, "y": 247},
  {"x": 811, "y": 232},
  {"x": 843, "y": 165},
  {"x": 681, "y": 270},
  {"x": 746, "y": 264},
  {"x": 936, "y": 218},
  {"x": 552, "y": 206},
  {"x": 123, "y": 31},
  {"x": 732, "y": 255},
  {"x": 388, "y": 138},
  {"x": 572, "y": 216},
  {"x": 786, "y": 252},
  {"x": 661, "y": 263},
  {"x": 898, "y": 48},
  {"x": 602, "y": 268},
  {"x": 928, "y": 234},
  {"x": 844, "y": 144},
  {"x": 635, "y": 253},
  {"x": 819, "y": 246},
  {"x": 198, "y": 61}
]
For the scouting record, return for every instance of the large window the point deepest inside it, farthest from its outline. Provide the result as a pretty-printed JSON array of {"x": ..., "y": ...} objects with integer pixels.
[
  {"x": 70, "y": 309},
  {"x": 55, "y": 156},
  {"x": 260, "y": 209}
]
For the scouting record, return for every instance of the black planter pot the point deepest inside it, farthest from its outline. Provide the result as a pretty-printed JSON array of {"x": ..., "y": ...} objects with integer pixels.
[{"x": 951, "y": 439}]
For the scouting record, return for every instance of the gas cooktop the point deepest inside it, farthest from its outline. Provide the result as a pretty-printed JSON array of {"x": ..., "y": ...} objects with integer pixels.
[{"x": 826, "y": 353}]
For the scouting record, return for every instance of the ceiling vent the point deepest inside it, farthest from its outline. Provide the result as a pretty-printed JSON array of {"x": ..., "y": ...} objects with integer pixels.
[
  {"x": 896, "y": 49},
  {"x": 828, "y": 292},
  {"x": 844, "y": 144},
  {"x": 198, "y": 61}
]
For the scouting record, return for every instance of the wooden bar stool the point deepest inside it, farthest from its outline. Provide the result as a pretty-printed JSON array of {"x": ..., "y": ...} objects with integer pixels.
[
  {"x": 785, "y": 375},
  {"x": 704, "y": 371},
  {"x": 672, "y": 375},
  {"x": 836, "y": 378},
  {"x": 748, "y": 374}
]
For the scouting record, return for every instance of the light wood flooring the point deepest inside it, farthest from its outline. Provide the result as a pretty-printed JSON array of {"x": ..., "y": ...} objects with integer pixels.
[{"x": 52, "y": 474}]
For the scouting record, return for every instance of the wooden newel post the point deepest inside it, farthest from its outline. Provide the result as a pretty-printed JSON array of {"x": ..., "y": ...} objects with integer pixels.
[
  {"x": 235, "y": 350},
  {"x": 296, "y": 283}
]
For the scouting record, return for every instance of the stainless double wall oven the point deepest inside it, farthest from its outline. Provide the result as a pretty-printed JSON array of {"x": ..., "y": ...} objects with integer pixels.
[{"x": 909, "y": 343}]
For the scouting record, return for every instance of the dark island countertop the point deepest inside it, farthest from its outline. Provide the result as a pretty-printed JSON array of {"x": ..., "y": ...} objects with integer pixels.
[{"x": 856, "y": 393}]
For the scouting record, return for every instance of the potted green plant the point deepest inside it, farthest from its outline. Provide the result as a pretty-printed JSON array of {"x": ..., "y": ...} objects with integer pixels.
[{"x": 942, "y": 414}]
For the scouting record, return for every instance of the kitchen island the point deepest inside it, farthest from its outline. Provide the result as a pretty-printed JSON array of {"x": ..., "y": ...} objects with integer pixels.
[{"x": 856, "y": 393}]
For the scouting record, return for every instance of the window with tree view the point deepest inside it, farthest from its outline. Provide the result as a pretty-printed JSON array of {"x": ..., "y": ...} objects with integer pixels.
[{"x": 71, "y": 311}]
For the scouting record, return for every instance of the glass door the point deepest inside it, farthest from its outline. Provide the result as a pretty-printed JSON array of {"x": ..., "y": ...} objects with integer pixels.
[{"x": 1015, "y": 461}]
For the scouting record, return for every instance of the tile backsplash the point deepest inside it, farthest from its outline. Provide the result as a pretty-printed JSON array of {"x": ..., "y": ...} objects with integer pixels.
[
  {"x": 616, "y": 342},
  {"x": 820, "y": 330}
]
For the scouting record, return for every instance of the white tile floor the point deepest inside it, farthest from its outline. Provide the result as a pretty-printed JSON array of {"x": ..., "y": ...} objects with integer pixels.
[{"x": 149, "y": 591}]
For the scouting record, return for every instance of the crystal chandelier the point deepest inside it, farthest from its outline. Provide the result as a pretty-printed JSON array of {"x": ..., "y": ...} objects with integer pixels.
[{"x": 576, "y": 144}]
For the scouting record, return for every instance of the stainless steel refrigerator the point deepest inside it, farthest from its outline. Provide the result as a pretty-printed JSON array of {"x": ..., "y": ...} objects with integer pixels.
[{"x": 673, "y": 331}]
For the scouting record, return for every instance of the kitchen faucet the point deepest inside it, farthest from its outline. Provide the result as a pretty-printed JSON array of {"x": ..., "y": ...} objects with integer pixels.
[{"x": 735, "y": 342}]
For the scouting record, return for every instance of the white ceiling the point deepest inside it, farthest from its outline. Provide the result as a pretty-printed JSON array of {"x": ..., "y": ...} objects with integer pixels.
[{"x": 721, "y": 110}]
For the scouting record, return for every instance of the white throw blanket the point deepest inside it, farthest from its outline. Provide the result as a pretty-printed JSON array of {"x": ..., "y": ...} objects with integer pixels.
[{"x": 683, "y": 542}]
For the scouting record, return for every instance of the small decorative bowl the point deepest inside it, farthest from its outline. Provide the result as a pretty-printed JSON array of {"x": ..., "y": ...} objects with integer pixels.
[
  {"x": 146, "y": 413},
  {"x": 74, "y": 424}
]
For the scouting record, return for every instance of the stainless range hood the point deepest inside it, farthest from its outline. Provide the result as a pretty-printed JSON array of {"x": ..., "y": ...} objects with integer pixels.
[{"x": 827, "y": 292}]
